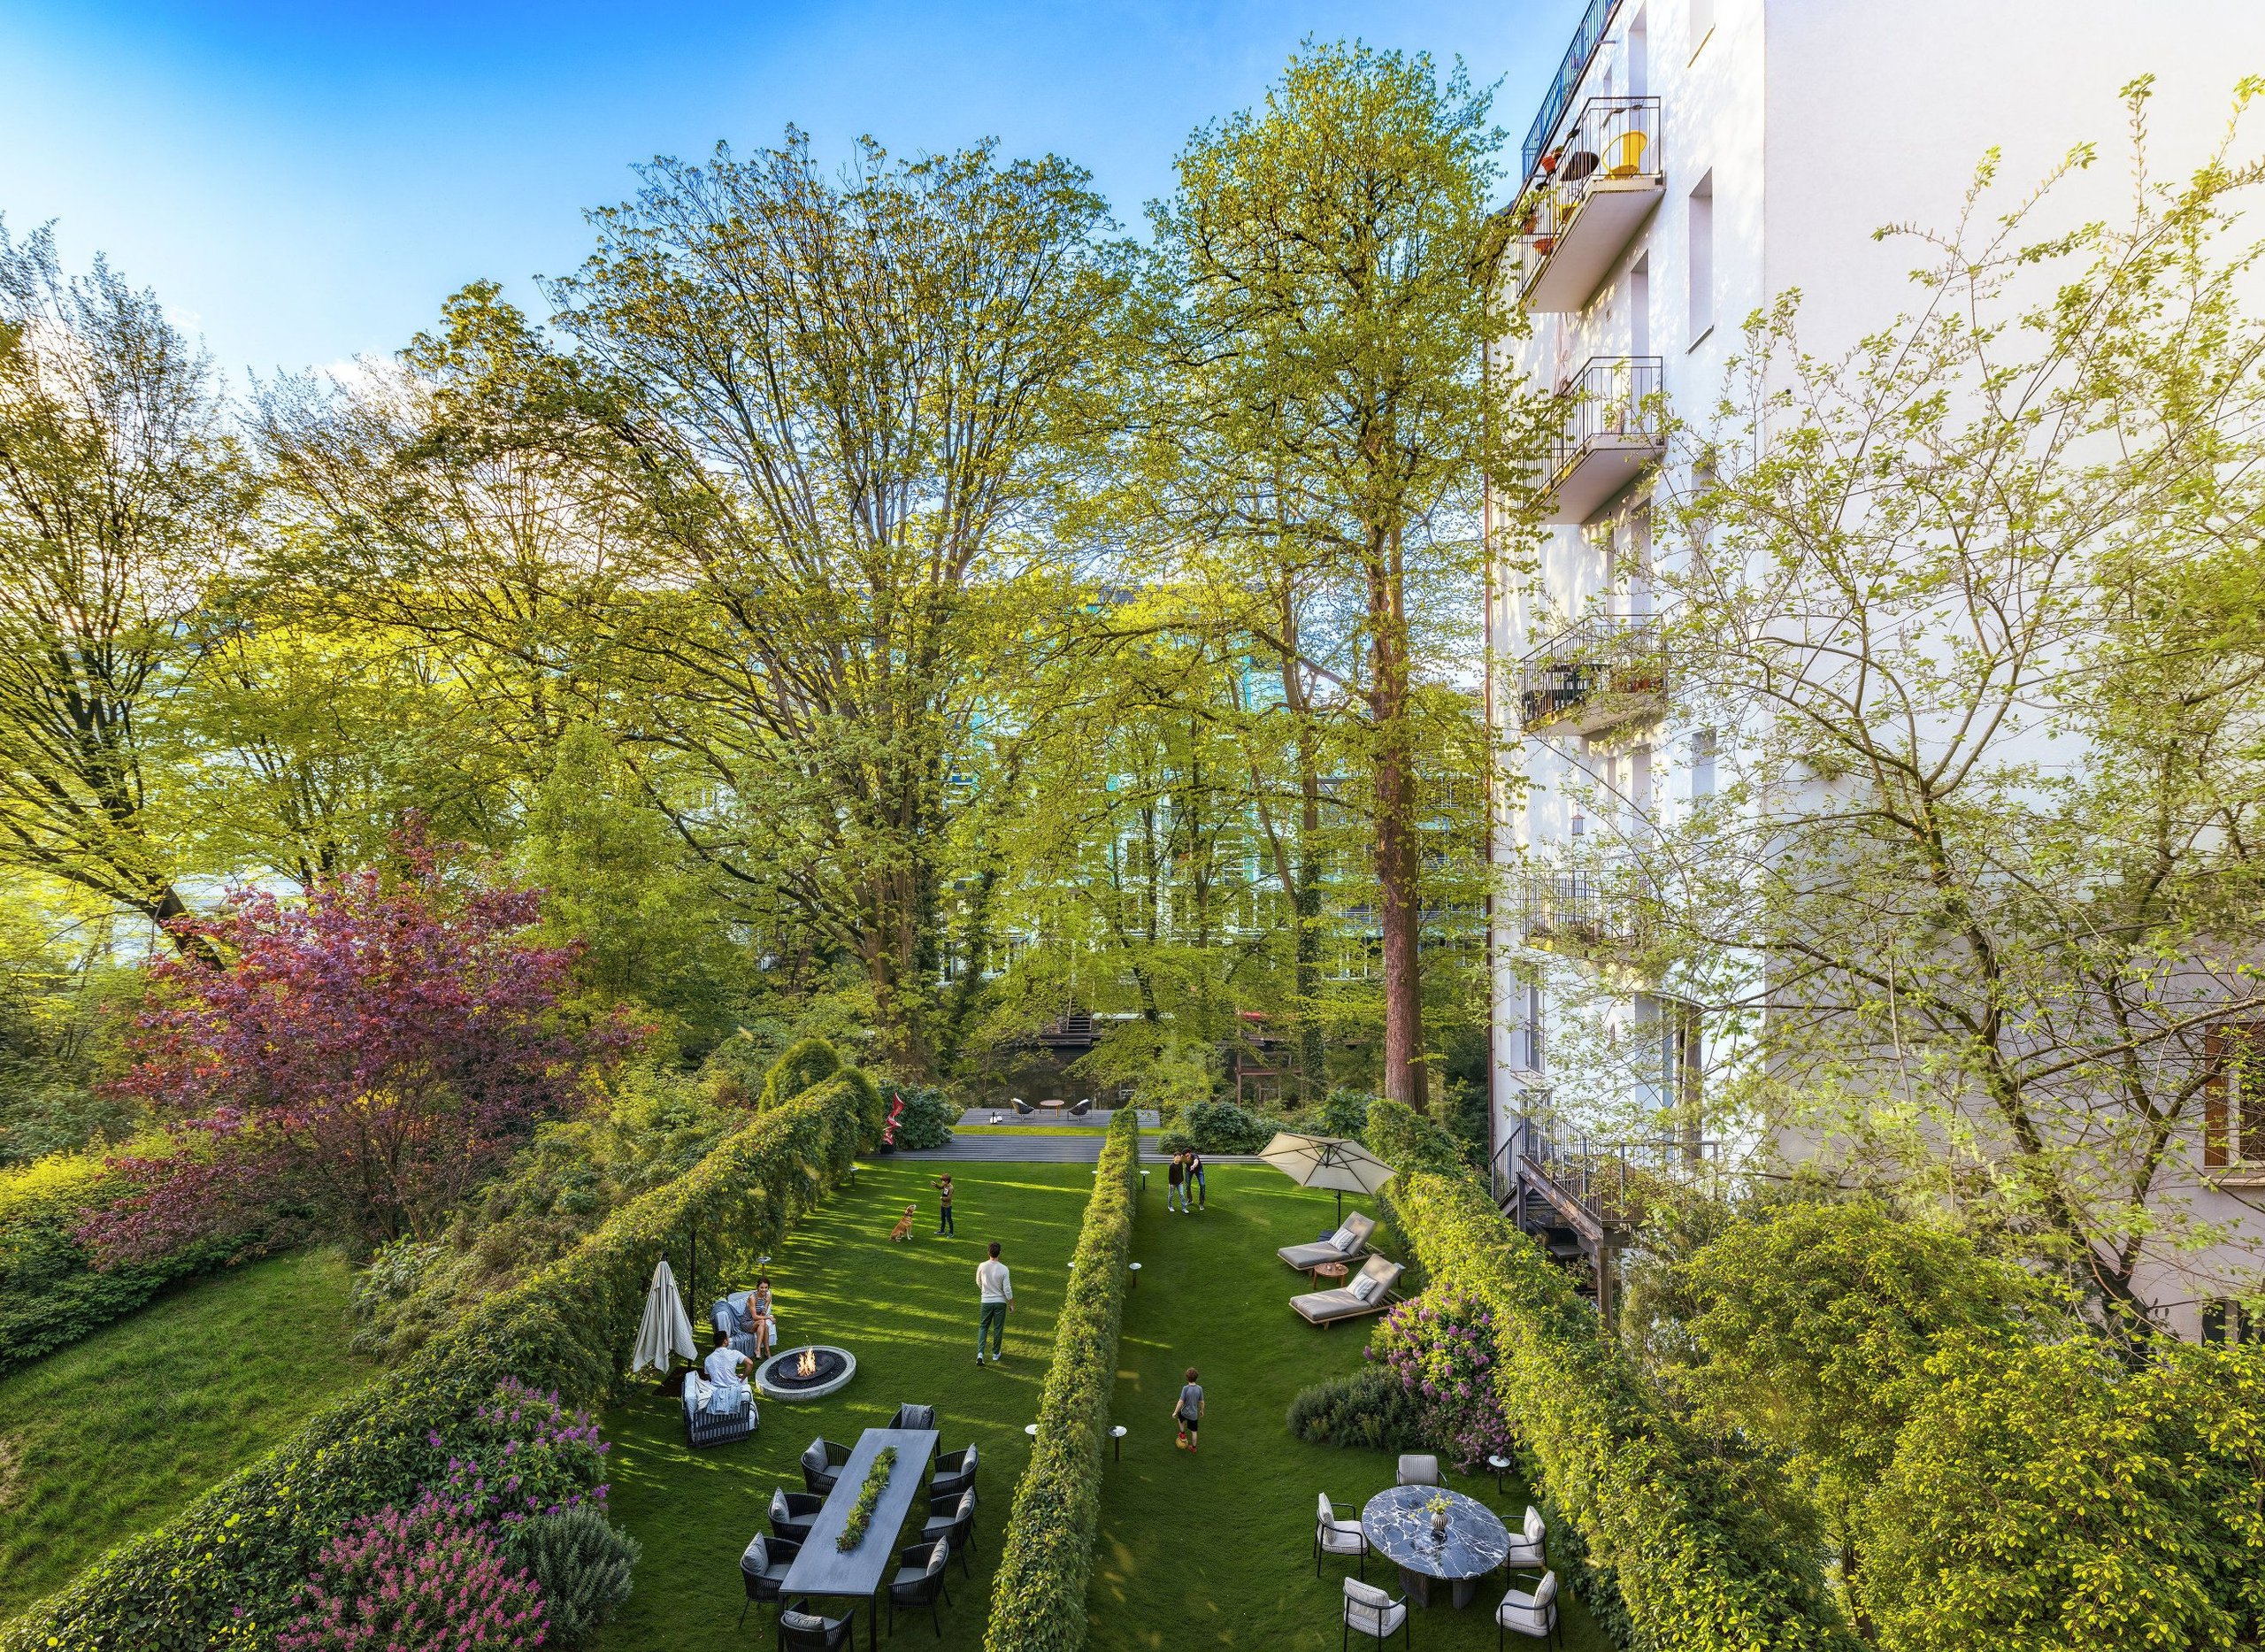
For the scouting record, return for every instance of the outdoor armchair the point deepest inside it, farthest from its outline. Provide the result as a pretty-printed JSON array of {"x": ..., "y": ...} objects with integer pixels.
[
  {"x": 1024, "y": 1107},
  {"x": 1526, "y": 1546},
  {"x": 1333, "y": 1536},
  {"x": 914, "y": 1416},
  {"x": 823, "y": 1461},
  {"x": 704, "y": 1427},
  {"x": 802, "y": 1630},
  {"x": 1418, "y": 1468},
  {"x": 1082, "y": 1107},
  {"x": 763, "y": 1568},
  {"x": 1370, "y": 1292},
  {"x": 954, "y": 1474},
  {"x": 1355, "y": 1234},
  {"x": 792, "y": 1513},
  {"x": 956, "y": 1523},
  {"x": 1374, "y": 1613},
  {"x": 1533, "y": 1615},
  {"x": 919, "y": 1579}
]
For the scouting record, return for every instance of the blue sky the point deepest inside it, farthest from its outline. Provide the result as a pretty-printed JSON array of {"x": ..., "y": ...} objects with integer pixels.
[{"x": 304, "y": 183}]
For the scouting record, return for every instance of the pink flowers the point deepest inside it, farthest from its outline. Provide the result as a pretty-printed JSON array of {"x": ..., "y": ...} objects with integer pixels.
[
  {"x": 429, "y": 1576},
  {"x": 1441, "y": 1348}
]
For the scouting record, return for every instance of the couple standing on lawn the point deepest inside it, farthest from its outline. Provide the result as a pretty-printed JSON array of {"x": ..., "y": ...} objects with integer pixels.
[{"x": 1184, "y": 1183}]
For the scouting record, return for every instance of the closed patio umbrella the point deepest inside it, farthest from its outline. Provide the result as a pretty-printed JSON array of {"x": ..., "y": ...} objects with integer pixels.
[
  {"x": 1332, "y": 1162},
  {"x": 666, "y": 1330}
]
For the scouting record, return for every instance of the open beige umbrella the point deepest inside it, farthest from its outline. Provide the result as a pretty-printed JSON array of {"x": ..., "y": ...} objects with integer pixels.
[
  {"x": 666, "y": 1329},
  {"x": 1335, "y": 1163}
]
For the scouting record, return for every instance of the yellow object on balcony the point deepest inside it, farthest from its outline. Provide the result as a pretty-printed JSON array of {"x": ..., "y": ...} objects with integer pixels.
[{"x": 1631, "y": 148}]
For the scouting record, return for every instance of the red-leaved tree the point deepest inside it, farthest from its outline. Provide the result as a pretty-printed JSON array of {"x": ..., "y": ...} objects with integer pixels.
[{"x": 366, "y": 1057}]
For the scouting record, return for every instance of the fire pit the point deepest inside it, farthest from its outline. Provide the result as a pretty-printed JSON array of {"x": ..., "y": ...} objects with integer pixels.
[{"x": 805, "y": 1373}]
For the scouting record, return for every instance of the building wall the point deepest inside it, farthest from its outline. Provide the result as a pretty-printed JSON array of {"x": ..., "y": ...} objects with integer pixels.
[{"x": 1814, "y": 123}]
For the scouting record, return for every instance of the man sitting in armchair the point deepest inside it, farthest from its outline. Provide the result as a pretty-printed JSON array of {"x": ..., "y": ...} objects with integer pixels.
[{"x": 726, "y": 1371}]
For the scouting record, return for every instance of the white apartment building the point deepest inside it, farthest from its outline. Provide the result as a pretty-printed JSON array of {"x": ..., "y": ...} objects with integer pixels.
[{"x": 1693, "y": 160}]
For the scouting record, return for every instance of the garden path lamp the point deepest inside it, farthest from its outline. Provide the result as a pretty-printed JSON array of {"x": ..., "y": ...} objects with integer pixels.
[
  {"x": 1340, "y": 1165},
  {"x": 665, "y": 1331}
]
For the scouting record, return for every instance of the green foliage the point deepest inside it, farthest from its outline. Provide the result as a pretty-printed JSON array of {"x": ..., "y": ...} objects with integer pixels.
[
  {"x": 1346, "y": 1113},
  {"x": 246, "y": 1544},
  {"x": 869, "y": 1494},
  {"x": 1704, "y": 1558},
  {"x": 804, "y": 1064},
  {"x": 1038, "y": 1600},
  {"x": 2045, "y": 1499},
  {"x": 1407, "y": 1140},
  {"x": 927, "y": 1119},
  {"x": 1368, "y": 1409},
  {"x": 581, "y": 1560},
  {"x": 1222, "y": 1127},
  {"x": 51, "y": 1292}
]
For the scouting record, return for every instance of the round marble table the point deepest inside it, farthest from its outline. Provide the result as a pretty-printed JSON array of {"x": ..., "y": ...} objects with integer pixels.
[{"x": 1399, "y": 1527}]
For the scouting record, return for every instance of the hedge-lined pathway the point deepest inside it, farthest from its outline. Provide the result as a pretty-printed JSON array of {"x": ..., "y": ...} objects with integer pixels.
[{"x": 1218, "y": 1550}]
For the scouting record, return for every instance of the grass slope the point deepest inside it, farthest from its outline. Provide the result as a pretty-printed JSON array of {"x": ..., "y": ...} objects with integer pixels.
[
  {"x": 113, "y": 1434},
  {"x": 1217, "y": 1550},
  {"x": 907, "y": 1312}
]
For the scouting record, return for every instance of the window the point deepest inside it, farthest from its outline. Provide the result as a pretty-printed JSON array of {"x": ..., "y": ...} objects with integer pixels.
[
  {"x": 2224, "y": 1322},
  {"x": 1702, "y": 258},
  {"x": 1702, "y": 765},
  {"x": 2233, "y": 1095},
  {"x": 1525, "y": 1037},
  {"x": 1640, "y": 56}
]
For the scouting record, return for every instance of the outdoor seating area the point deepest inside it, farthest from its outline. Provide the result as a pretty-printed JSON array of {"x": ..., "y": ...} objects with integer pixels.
[{"x": 1085, "y": 1112}]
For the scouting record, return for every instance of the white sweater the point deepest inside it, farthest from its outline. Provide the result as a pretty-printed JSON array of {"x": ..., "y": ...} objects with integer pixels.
[{"x": 990, "y": 1279}]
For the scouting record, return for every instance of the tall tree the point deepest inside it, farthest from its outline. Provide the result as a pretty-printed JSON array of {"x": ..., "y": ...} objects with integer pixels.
[
  {"x": 852, "y": 406},
  {"x": 120, "y": 490},
  {"x": 1321, "y": 311}
]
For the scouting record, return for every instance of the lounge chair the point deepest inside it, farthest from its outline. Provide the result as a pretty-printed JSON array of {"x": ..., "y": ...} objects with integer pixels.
[
  {"x": 1024, "y": 1109},
  {"x": 704, "y": 1427},
  {"x": 1353, "y": 1300},
  {"x": 1342, "y": 1246},
  {"x": 1078, "y": 1109}
]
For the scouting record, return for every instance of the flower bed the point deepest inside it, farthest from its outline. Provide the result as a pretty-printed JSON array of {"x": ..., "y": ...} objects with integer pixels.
[{"x": 1038, "y": 1600}]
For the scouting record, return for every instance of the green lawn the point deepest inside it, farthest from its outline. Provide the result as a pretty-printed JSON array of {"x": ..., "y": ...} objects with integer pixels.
[
  {"x": 1215, "y": 1549},
  {"x": 111, "y": 1435}
]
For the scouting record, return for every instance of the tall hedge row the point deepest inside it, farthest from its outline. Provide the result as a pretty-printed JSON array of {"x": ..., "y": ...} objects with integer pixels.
[
  {"x": 222, "y": 1573},
  {"x": 1038, "y": 1600},
  {"x": 1701, "y": 1565}
]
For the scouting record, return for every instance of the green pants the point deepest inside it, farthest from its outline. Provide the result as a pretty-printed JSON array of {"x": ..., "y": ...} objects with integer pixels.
[{"x": 993, "y": 1323}]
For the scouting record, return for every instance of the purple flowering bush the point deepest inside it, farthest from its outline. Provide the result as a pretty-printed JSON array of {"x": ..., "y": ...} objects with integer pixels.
[
  {"x": 430, "y": 1576},
  {"x": 1441, "y": 1348},
  {"x": 441, "y": 1573}
]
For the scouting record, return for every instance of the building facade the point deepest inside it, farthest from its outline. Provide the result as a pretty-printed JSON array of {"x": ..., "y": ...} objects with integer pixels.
[{"x": 1691, "y": 161}]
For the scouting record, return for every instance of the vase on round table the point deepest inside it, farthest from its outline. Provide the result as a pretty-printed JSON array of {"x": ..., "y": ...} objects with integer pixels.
[{"x": 1439, "y": 1524}]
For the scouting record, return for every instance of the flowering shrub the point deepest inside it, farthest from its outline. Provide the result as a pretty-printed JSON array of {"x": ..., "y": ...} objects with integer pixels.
[
  {"x": 524, "y": 1455},
  {"x": 431, "y": 1576},
  {"x": 1441, "y": 1347}
]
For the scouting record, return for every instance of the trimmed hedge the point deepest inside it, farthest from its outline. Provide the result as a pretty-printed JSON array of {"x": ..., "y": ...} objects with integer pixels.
[
  {"x": 1700, "y": 1563},
  {"x": 222, "y": 1572},
  {"x": 51, "y": 1295},
  {"x": 1037, "y": 1600}
]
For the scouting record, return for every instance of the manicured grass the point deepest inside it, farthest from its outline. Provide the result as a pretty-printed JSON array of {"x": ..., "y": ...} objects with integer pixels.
[
  {"x": 1217, "y": 1550},
  {"x": 907, "y": 1312},
  {"x": 113, "y": 1435}
]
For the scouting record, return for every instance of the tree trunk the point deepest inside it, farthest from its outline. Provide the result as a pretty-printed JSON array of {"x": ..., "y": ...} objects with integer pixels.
[{"x": 1398, "y": 865}]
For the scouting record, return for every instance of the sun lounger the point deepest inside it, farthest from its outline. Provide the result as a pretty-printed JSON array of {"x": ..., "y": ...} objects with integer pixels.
[
  {"x": 1305, "y": 1258},
  {"x": 1348, "y": 1300}
]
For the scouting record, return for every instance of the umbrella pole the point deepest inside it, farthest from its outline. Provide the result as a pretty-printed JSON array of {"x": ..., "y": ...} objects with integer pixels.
[{"x": 1340, "y": 1207}]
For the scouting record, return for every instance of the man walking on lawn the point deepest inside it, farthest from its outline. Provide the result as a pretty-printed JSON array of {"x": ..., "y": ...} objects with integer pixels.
[{"x": 998, "y": 1294}]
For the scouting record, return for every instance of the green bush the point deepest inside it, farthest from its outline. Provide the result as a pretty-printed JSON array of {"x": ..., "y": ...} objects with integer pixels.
[
  {"x": 1407, "y": 1140},
  {"x": 51, "y": 1292},
  {"x": 926, "y": 1121},
  {"x": 1367, "y": 1410},
  {"x": 224, "y": 1570},
  {"x": 802, "y": 1065},
  {"x": 1222, "y": 1127},
  {"x": 583, "y": 1563},
  {"x": 1037, "y": 1600},
  {"x": 1702, "y": 1552}
]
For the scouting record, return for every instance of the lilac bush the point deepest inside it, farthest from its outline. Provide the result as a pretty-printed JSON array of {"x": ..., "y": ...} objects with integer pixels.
[
  {"x": 1441, "y": 1347},
  {"x": 522, "y": 1455},
  {"x": 427, "y": 1577}
]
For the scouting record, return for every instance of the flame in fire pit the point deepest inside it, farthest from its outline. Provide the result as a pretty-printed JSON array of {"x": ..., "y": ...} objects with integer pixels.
[{"x": 806, "y": 1367}]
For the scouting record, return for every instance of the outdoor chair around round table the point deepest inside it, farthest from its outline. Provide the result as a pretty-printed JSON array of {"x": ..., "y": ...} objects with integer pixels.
[{"x": 1397, "y": 1522}]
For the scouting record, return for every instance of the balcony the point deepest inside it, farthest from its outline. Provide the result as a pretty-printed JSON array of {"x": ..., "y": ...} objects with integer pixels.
[
  {"x": 1614, "y": 425},
  {"x": 1585, "y": 200},
  {"x": 1577, "y": 913},
  {"x": 1607, "y": 670}
]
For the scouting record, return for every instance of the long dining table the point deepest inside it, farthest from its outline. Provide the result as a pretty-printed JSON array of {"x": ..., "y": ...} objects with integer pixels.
[{"x": 826, "y": 1569}]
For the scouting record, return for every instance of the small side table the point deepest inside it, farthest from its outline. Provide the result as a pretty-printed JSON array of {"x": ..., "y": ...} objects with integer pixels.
[
  {"x": 1329, "y": 1270},
  {"x": 1501, "y": 1466},
  {"x": 1117, "y": 1437}
]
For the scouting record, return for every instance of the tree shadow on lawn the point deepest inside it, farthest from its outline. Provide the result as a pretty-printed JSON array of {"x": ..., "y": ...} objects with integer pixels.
[{"x": 1217, "y": 1550}]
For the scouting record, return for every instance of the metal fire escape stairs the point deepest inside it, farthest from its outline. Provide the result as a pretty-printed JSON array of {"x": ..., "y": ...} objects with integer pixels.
[{"x": 1583, "y": 1200}]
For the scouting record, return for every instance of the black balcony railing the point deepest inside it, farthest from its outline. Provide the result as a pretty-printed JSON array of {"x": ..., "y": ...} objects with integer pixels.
[
  {"x": 1574, "y": 911},
  {"x": 1606, "y": 660},
  {"x": 1613, "y": 139},
  {"x": 1609, "y": 1180},
  {"x": 1587, "y": 36},
  {"x": 1613, "y": 401}
]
